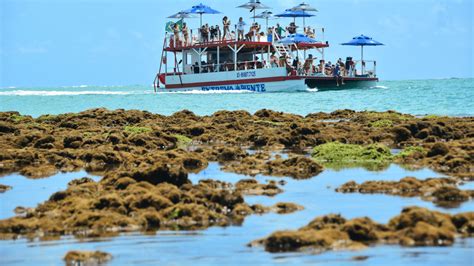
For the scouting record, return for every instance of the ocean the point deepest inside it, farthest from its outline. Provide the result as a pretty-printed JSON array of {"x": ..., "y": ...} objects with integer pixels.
[{"x": 453, "y": 97}]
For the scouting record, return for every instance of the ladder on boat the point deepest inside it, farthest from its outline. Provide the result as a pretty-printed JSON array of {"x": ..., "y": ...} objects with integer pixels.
[{"x": 282, "y": 49}]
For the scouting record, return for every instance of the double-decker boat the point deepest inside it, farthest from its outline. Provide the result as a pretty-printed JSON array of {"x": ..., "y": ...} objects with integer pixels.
[{"x": 257, "y": 62}]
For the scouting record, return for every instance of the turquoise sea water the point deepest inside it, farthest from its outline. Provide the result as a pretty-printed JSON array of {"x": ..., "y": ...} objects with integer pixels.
[{"x": 419, "y": 97}]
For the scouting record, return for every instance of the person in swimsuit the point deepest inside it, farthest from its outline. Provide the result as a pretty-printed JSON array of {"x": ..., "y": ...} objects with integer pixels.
[
  {"x": 226, "y": 25},
  {"x": 185, "y": 32}
]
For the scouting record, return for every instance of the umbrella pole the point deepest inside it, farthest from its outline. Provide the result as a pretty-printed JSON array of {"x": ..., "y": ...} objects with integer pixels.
[
  {"x": 254, "y": 16},
  {"x": 304, "y": 25},
  {"x": 200, "y": 20},
  {"x": 362, "y": 59}
]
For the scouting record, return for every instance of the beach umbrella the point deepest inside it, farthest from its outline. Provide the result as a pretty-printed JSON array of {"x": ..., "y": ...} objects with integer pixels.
[
  {"x": 297, "y": 38},
  {"x": 294, "y": 14},
  {"x": 201, "y": 9},
  {"x": 362, "y": 41},
  {"x": 305, "y": 8},
  {"x": 253, "y": 5},
  {"x": 182, "y": 15},
  {"x": 265, "y": 15}
]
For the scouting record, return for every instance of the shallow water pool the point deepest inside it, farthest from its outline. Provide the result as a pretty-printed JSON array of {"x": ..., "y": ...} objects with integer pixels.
[{"x": 219, "y": 245}]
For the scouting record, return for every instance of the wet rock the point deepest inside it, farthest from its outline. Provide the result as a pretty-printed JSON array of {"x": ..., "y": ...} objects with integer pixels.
[
  {"x": 442, "y": 191},
  {"x": 413, "y": 227},
  {"x": 86, "y": 258},
  {"x": 160, "y": 173},
  {"x": 286, "y": 207},
  {"x": 252, "y": 187},
  {"x": 45, "y": 143},
  {"x": 72, "y": 142},
  {"x": 6, "y": 128},
  {"x": 4, "y": 188},
  {"x": 401, "y": 134},
  {"x": 298, "y": 167},
  {"x": 438, "y": 149},
  {"x": 115, "y": 204}
]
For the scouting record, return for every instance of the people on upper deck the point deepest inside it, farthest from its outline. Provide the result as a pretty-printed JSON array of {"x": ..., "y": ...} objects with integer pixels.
[
  {"x": 253, "y": 31},
  {"x": 215, "y": 33},
  {"x": 291, "y": 28},
  {"x": 205, "y": 33},
  {"x": 226, "y": 27},
  {"x": 279, "y": 30},
  {"x": 185, "y": 32},
  {"x": 176, "y": 30},
  {"x": 310, "y": 32},
  {"x": 240, "y": 29}
]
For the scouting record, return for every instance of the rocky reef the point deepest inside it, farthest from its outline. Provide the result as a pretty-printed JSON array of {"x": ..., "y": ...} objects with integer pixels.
[
  {"x": 414, "y": 226},
  {"x": 442, "y": 191},
  {"x": 145, "y": 160},
  {"x": 101, "y": 140},
  {"x": 142, "y": 201},
  {"x": 86, "y": 258}
]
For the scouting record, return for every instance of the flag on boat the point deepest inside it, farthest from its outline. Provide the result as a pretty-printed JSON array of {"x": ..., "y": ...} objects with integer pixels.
[{"x": 170, "y": 25}]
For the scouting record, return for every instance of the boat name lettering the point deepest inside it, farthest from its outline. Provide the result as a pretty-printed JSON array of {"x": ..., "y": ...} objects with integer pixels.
[
  {"x": 247, "y": 74},
  {"x": 244, "y": 87}
]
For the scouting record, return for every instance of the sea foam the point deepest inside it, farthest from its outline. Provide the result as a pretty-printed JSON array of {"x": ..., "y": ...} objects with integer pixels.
[{"x": 66, "y": 93}]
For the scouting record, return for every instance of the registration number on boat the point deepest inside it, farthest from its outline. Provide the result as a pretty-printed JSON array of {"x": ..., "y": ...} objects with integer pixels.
[{"x": 247, "y": 74}]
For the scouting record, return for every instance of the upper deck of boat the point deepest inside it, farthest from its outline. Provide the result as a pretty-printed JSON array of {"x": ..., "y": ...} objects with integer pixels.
[{"x": 227, "y": 44}]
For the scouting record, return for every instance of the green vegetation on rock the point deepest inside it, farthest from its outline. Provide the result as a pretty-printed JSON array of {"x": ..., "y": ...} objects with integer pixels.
[
  {"x": 339, "y": 152},
  {"x": 183, "y": 141},
  {"x": 17, "y": 118},
  {"x": 337, "y": 155},
  {"x": 382, "y": 123},
  {"x": 47, "y": 118},
  {"x": 409, "y": 151},
  {"x": 387, "y": 115}
]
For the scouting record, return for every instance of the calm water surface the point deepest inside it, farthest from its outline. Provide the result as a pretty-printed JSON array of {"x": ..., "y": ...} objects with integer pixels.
[{"x": 218, "y": 245}]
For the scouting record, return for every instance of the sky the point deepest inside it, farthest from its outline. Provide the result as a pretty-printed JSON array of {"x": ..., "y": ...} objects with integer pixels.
[{"x": 119, "y": 42}]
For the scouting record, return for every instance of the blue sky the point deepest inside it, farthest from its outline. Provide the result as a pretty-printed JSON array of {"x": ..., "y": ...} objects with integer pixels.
[{"x": 118, "y": 42}]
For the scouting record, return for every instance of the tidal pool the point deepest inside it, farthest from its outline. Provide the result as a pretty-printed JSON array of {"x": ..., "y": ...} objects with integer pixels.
[{"x": 228, "y": 245}]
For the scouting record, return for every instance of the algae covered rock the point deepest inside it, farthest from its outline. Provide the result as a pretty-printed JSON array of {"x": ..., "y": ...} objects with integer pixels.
[
  {"x": 4, "y": 188},
  {"x": 336, "y": 154},
  {"x": 86, "y": 258},
  {"x": 415, "y": 226},
  {"x": 442, "y": 191}
]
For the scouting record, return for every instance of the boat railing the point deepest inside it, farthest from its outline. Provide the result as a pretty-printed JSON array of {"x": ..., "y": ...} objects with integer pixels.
[
  {"x": 197, "y": 36},
  {"x": 365, "y": 68},
  {"x": 222, "y": 67}
]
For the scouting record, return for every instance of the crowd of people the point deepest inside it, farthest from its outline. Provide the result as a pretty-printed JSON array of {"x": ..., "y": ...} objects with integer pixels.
[
  {"x": 213, "y": 33},
  {"x": 295, "y": 66}
]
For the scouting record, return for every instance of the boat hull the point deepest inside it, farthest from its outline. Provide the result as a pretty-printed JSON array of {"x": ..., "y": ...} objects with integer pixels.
[
  {"x": 292, "y": 85},
  {"x": 331, "y": 83}
]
